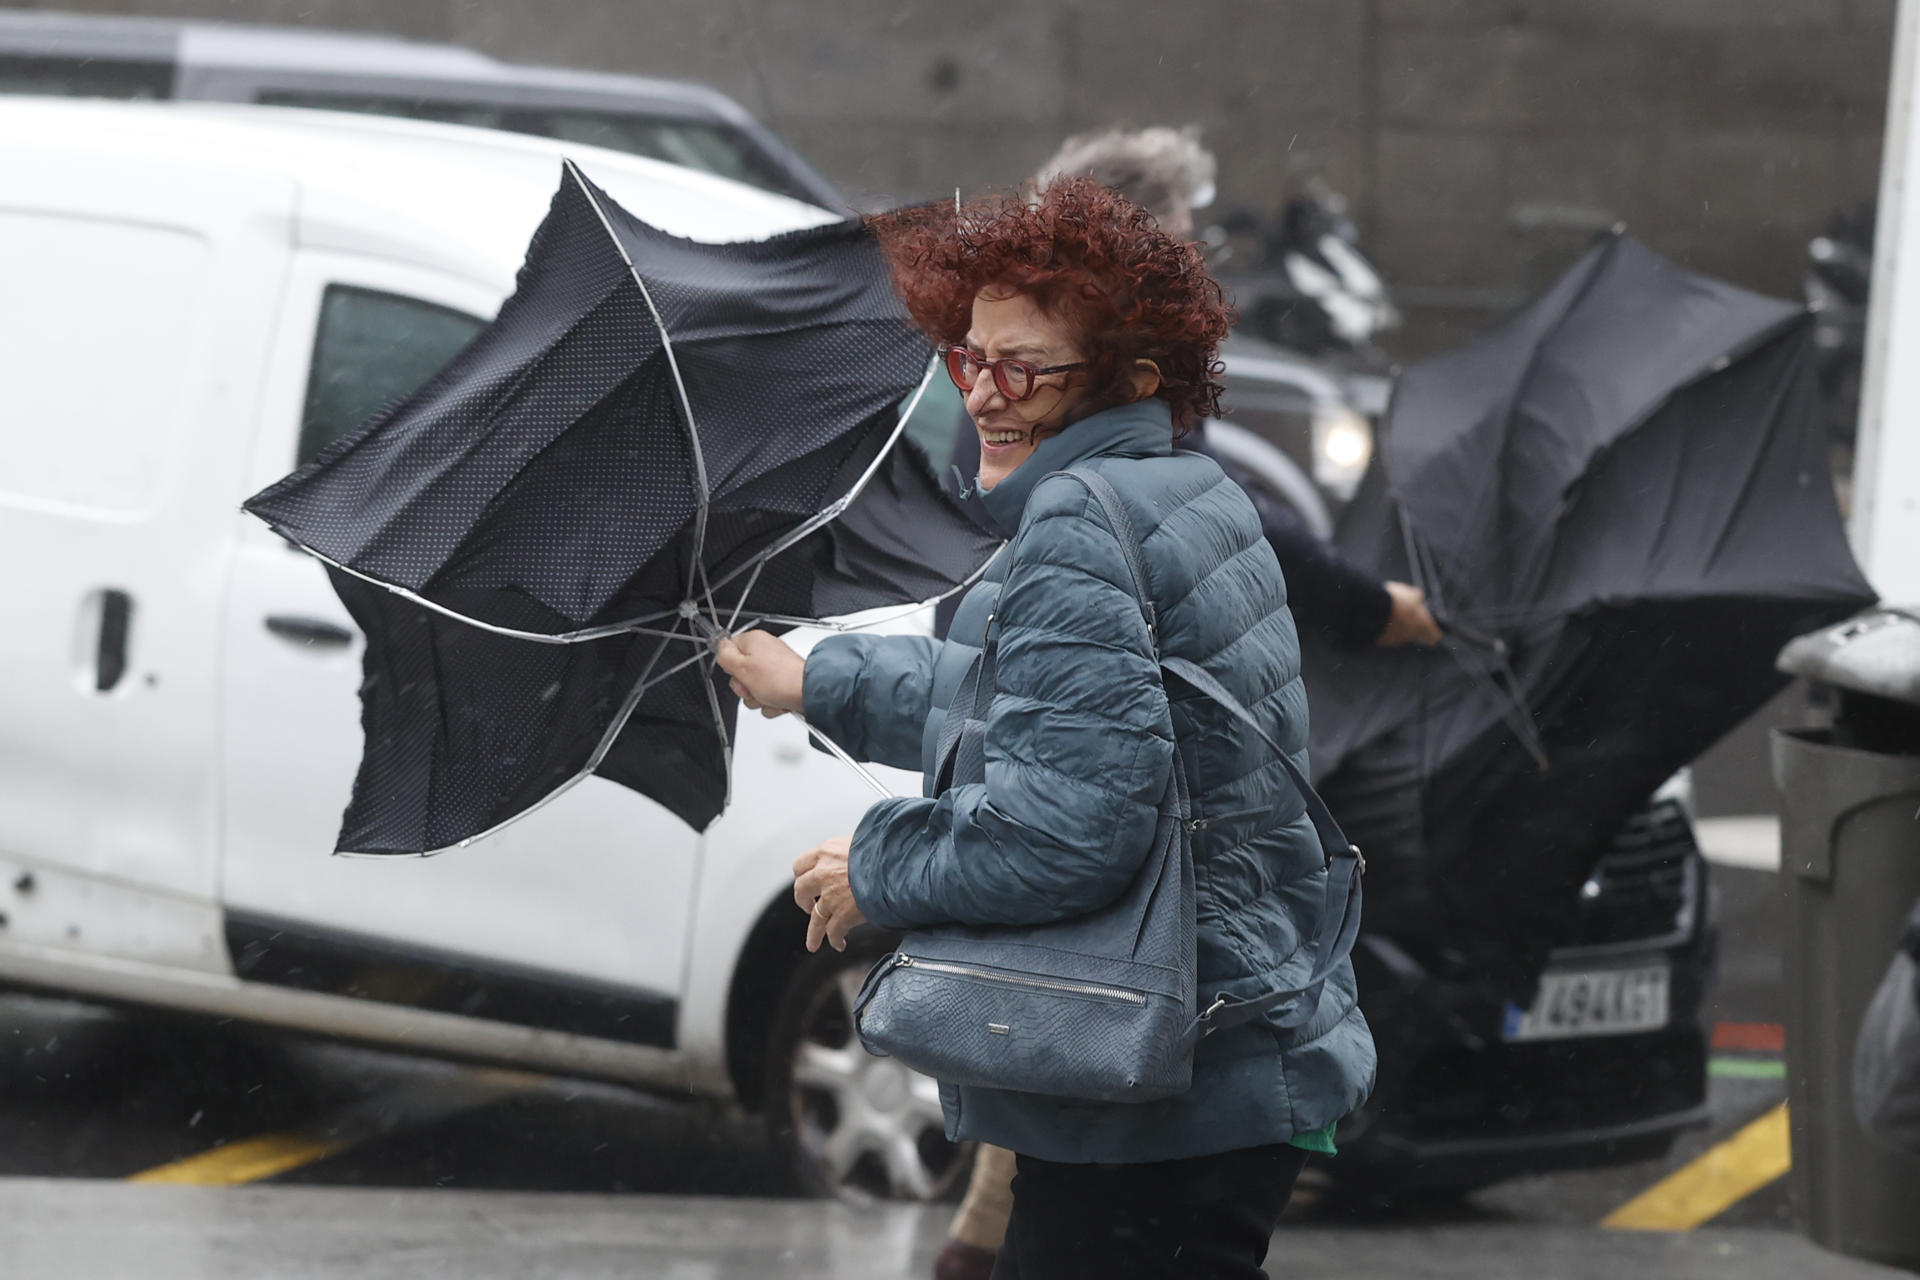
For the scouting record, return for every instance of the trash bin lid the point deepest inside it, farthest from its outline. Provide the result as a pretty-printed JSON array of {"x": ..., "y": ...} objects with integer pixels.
[{"x": 1875, "y": 652}]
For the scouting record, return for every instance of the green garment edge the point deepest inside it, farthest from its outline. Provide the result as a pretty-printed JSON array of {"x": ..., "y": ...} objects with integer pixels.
[{"x": 1320, "y": 1140}]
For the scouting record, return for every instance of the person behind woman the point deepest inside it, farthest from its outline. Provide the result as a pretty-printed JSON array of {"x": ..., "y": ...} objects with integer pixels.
[
  {"x": 1085, "y": 337},
  {"x": 1164, "y": 170}
]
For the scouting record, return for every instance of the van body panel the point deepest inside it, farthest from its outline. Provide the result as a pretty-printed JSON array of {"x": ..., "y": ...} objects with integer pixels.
[
  {"x": 139, "y": 307},
  {"x": 73, "y": 913},
  {"x": 401, "y": 1027}
]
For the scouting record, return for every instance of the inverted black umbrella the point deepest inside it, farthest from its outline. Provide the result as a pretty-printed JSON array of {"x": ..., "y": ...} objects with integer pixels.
[
  {"x": 1620, "y": 505},
  {"x": 655, "y": 442}
]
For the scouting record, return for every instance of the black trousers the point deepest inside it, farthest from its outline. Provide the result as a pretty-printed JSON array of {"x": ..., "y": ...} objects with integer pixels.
[{"x": 1208, "y": 1218}]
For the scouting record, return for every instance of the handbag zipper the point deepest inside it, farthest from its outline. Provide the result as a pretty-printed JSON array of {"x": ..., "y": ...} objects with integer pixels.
[
  {"x": 1201, "y": 824},
  {"x": 1020, "y": 979}
]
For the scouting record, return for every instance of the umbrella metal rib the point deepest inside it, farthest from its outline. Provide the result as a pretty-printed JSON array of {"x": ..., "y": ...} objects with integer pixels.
[
  {"x": 1494, "y": 669},
  {"x": 838, "y": 507},
  {"x": 705, "y": 495},
  {"x": 1498, "y": 675},
  {"x": 719, "y": 726},
  {"x": 637, "y": 626},
  {"x": 834, "y": 749},
  {"x": 833, "y": 511}
]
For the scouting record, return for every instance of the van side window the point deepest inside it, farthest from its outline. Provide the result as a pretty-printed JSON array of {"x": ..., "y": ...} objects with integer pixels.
[
  {"x": 710, "y": 146},
  {"x": 373, "y": 349},
  {"x": 76, "y": 76}
]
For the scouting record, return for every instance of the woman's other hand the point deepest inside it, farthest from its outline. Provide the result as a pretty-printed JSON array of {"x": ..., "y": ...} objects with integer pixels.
[
  {"x": 766, "y": 674},
  {"x": 1409, "y": 621},
  {"x": 822, "y": 890}
]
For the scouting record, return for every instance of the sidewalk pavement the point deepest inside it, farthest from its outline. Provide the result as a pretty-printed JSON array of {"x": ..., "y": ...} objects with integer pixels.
[{"x": 85, "y": 1230}]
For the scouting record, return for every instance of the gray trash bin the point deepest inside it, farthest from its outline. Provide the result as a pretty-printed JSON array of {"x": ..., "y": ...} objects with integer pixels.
[{"x": 1850, "y": 867}]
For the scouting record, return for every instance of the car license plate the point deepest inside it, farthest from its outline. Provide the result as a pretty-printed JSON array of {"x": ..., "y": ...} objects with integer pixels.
[{"x": 1593, "y": 1002}]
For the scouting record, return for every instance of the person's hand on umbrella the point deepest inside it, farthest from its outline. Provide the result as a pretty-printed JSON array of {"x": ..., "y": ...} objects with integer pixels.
[
  {"x": 822, "y": 890},
  {"x": 767, "y": 675},
  {"x": 1409, "y": 621}
]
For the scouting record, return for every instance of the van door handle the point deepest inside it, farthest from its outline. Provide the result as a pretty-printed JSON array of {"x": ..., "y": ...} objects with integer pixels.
[
  {"x": 310, "y": 631},
  {"x": 110, "y": 654}
]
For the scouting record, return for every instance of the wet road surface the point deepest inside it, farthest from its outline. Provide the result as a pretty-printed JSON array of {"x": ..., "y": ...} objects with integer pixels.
[
  {"x": 288, "y": 1233},
  {"x": 346, "y": 1152}
]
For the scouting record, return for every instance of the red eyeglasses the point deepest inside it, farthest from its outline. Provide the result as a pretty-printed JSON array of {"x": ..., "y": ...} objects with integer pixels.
[{"x": 1016, "y": 379}]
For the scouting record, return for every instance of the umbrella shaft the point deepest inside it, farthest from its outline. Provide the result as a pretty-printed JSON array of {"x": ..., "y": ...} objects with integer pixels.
[{"x": 838, "y": 753}]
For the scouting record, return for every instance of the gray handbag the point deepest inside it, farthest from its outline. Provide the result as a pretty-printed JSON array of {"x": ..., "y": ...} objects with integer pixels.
[{"x": 1101, "y": 1006}]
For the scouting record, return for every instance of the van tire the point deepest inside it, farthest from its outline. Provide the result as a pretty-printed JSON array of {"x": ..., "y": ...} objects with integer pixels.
[{"x": 853, "y": 1127}]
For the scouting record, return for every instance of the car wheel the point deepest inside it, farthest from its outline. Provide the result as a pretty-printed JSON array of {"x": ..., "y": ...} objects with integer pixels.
[{"x": 853, "y": 1126}]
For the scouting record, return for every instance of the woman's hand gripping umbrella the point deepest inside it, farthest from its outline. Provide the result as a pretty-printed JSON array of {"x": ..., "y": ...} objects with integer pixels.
[{"x": 658, "y": 442}]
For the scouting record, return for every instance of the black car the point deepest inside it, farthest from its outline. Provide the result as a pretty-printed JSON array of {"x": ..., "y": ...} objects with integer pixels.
[{"x": 1608, "y": 1066}]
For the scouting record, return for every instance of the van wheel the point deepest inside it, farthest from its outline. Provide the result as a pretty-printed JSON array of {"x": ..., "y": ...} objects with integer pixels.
[{"x": 850, "y": 1125}]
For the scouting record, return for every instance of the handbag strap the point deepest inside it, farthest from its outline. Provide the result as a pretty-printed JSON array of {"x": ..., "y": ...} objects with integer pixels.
[
  {"x": 1340, "y": 910},
  {"x": 961, "y": 755}
]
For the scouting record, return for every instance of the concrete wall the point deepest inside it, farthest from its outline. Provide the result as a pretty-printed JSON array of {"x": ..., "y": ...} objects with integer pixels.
[{"x": 1722, "y": 131}]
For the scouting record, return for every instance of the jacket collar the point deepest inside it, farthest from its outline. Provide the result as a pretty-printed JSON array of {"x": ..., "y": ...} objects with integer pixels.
[{"x": 1143, "y": 429}]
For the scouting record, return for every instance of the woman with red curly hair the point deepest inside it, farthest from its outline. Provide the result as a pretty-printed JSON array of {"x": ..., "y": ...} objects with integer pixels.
[{"x": 1084, "y": 338}]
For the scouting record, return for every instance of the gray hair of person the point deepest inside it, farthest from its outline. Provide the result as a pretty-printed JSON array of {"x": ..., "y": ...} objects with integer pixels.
[{"x": 1154, "y": 167}]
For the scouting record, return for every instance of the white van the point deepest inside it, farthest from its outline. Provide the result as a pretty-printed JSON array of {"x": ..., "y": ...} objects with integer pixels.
[
  {"x": 1885, "y": 520},
  {"x": 192, "y": 300}
]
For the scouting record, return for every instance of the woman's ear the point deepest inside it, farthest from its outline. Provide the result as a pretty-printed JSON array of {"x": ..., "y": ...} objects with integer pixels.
[{"x": 1143, "y": 379}]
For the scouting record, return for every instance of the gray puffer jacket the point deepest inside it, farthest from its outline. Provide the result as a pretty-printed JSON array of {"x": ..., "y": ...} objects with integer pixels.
[{"x": 1079, "y": 746}]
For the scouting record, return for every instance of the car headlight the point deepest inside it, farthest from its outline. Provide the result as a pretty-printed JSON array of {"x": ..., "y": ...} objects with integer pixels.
[{"x": 1342, "y": 447}]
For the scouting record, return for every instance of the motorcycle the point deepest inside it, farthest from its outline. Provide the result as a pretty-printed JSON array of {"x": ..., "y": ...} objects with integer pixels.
[
  {"x": 1301, "y": 280},
  {"x": 1838, "y": 275}
]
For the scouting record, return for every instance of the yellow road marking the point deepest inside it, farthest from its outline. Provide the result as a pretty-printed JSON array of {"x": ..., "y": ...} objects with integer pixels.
[
  {"x": 408, "y": 1107},
  {"x": 246, "y": 1161},
  {"x": 1718, "y": 1179}
]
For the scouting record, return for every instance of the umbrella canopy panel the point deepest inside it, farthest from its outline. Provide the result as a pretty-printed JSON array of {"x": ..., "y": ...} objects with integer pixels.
[{"x": 1508, "y": 425}]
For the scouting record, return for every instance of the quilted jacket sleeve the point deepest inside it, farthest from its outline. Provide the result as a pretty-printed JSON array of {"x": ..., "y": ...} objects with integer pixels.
[
  {"x": 1079, "y": 747},
  {"x": 871, "y": 695}
]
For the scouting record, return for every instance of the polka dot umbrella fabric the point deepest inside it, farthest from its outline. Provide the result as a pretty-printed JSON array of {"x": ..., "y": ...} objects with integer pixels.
[{"x": 656, "y": 439}]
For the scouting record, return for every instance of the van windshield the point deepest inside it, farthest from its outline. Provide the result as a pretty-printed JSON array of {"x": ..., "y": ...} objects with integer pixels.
[{"x": 707, "y": 145}]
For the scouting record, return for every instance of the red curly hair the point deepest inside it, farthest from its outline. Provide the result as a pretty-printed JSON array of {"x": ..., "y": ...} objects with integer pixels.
[{"x": 1085, "y": 254}]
